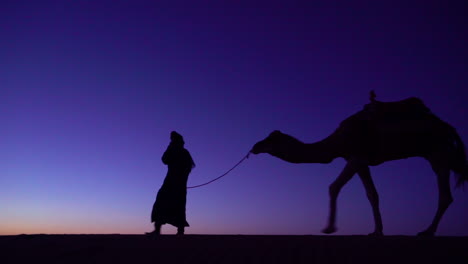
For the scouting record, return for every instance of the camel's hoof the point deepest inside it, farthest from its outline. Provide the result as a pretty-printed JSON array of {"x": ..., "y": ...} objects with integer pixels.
[
  {"x": 426, "y": 234},
  {"x": 329, "y": 230},
  {"x": 376, "y": 234}
]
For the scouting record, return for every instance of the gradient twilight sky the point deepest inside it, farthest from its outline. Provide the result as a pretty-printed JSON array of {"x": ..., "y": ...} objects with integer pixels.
[{"x": 91, "y": 90}]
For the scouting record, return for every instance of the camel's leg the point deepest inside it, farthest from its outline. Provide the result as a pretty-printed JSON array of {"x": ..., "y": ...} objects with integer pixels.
[
  {"x": 445, "y": 197},
  {"x": 345, "y": 175},
  {"x": 372, "y": 195}
]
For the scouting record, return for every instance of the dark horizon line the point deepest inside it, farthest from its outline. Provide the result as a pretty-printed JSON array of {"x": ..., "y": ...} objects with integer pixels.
[{"x": 251, "y": 235}]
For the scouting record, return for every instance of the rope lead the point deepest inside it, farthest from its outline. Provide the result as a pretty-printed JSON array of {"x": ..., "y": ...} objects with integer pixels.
[{"x": 238, "y": 163}]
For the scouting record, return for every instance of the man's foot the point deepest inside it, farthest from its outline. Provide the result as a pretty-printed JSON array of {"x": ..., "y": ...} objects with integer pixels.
[
  {"x": 180, "y": 231},
  {"x": 153, "y": 233}
]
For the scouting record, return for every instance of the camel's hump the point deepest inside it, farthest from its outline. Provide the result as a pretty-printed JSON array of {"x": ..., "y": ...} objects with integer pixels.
[
  {"x": 409, "y": 105},
  {"x": 406, "y": 109}
]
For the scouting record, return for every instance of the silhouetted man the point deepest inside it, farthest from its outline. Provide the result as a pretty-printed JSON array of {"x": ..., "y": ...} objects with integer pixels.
[{"x": 169, "y": 207}]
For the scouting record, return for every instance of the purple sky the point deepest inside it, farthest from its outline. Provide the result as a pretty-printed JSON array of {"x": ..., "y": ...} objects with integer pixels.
[{"x": 91, "y": 90}]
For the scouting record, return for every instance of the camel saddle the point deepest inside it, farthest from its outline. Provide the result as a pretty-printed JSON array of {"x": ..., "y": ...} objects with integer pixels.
[{"x": 407, "y": 109}]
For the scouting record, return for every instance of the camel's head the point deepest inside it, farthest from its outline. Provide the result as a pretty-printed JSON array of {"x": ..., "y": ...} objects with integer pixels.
[{"x": 268, "y": 144}]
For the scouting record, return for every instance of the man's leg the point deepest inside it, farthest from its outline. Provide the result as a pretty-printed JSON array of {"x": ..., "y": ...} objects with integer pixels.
[
  {"x": 180, "y": 230},
  {"x": 157, "y": 228}
]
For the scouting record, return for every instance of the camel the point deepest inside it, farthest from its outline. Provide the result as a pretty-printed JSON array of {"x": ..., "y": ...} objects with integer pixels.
[{"x": 381, "y": 132}]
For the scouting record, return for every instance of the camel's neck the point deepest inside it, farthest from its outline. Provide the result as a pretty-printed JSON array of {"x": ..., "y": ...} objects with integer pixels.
[{"x": 318, "y": 152}]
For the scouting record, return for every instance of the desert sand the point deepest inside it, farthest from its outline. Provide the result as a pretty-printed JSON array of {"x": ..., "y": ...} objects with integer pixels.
[{"x": 231, "y": 249}]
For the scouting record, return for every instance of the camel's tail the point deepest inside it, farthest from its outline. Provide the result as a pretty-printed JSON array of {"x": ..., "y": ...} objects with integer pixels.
[{"x": 460, "y": 165}]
